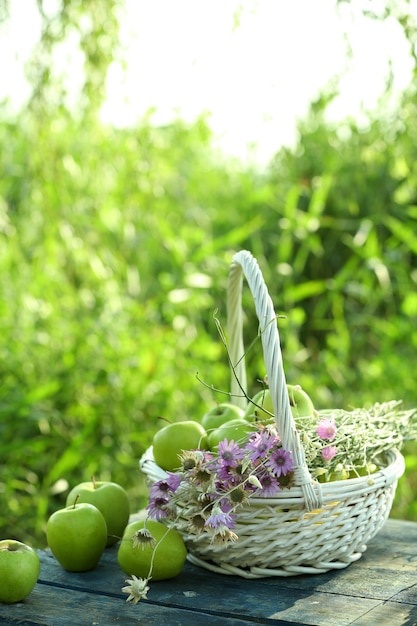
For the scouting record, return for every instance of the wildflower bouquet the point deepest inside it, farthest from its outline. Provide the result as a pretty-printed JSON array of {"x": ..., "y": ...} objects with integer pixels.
[
  {"x": 297, "y": 496},
  {"x": 209, "y": 488}
]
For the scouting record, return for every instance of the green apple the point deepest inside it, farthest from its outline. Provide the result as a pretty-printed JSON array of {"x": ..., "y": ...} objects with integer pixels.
[
  {"x": 363, "y": 470},
  {"x": 219, "y": 414},
  {"x": 19, "y": 570},
  {"x": 238, "y": 430},
  {"x": 300, "y": 402},
  {"x": 166, "y": 554},
  {"x": 169, "y": 442},
  {"x": 111, "y": 499},
  {"x": 260, "y": 409},
  {"x": 329, "y": 477},
  {"x": 77, "y": 536}
]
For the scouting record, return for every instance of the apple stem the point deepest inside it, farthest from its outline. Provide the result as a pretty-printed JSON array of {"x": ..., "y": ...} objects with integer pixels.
[
  {"x": 165, "y": 419},
  {"x": 93, "y": 480},
  {"x": 75, "y": 501},
  {"x": 12, "y": 548}
]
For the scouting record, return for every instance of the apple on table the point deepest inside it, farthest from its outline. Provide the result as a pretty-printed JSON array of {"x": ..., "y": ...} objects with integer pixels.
[
  {"x": 111, "y": 500},
  {"x": 77, "y": 536},
  {"x": 162, "y": 558},
  {"x": 19, "y": 570}
]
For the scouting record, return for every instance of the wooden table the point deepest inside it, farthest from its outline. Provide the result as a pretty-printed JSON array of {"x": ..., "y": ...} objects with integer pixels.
[{"x": 380, "y": 589}]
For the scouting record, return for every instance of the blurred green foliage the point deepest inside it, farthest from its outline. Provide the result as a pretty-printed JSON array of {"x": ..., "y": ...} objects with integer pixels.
[{"x": 114, "y": 252}]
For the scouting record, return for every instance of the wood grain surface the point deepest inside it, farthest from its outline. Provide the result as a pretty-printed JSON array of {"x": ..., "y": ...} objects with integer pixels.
[{"x": 380, "y": 589}]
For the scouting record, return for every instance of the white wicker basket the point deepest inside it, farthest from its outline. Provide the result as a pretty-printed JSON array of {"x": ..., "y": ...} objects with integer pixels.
[{"x": 312, "y": 527}]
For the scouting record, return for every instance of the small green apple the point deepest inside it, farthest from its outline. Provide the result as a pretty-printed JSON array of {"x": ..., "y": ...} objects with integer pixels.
[
  {"x": 77, "y": 536},
  {"x": 166, "y": 553},
  {"x": 19, "y": 570},
  {"x": 111, "y": 499},
  {"x": 219, "y": 414},
  {"x": 329, "y": 477},
  {"x": 300, "y": 402},
  {"x": 363, "y": 470},
  {"x": 169, "y": 442},
  {"x": 260, "y": 409},
  {"x": 238, "y": 430}
]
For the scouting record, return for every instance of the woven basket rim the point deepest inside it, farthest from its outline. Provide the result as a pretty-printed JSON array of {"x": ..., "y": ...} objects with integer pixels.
[{"x": 330, "y": 491}]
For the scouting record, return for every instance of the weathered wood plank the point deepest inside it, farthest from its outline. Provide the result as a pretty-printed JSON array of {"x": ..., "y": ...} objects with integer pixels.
[
  {"x": 52, "y": 606},
  {"x": 389, "y": 614},
  {"x": 381, "y": 588}
]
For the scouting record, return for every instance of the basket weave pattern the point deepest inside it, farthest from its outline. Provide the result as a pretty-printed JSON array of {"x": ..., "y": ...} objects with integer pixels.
[{"x": 311, "y": 527}]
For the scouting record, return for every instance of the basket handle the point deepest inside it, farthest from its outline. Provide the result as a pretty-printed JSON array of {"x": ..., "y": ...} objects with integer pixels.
[{"x": 244, "y": 263}]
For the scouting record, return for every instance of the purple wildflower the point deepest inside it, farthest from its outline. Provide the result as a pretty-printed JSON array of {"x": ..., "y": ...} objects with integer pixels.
[
  {"x": 270, "y": 485},
  {"x": 157, "y": 507},
  {"x": 165, "y": 487},
  {"x": 225, "y": 505},
  {"x": 326, "y": 429},
  {"x": 229, "y": 464},
  {"x": 229, "y": 476},
  {"x": 174, "y": 480},
  {"x": 328, "y": 453},
  {"x": 229, "y": 453},
  {"x": 280, "y": 462},
  {"x": 259, "y": 445},
  {"x": 219, "y": 519}
]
